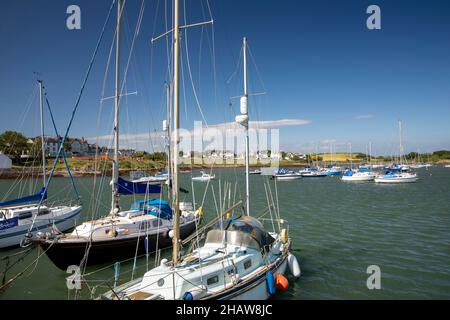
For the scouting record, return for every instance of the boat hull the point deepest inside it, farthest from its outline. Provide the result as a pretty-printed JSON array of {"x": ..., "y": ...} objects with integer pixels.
[
  {"x": 396, "y": 180},
  {"x": 13, "y": 236},
  {"x": 358, "y": 178},
  {"x": 64, "y": 253},
  {"x": 287, "y": 177}
]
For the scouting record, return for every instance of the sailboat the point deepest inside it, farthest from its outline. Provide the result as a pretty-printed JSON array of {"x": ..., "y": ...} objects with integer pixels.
[
  {"x": 19, "y": 218},
  {"x": 147, "y": 226},
  {"x": 399, "y": 173},
  {"x": 239, "y": 259},
  {"x": 361, "y": 174}
]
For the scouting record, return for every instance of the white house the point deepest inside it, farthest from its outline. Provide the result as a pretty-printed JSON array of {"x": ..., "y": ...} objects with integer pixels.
[{"x": 5, "y": 162}]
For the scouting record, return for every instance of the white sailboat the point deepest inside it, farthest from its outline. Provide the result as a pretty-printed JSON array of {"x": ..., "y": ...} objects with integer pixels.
[
  {"x": 361, "y": 174},
  {"x": 142, "y": 229},
  {"x": 400, "y": 173},
  {"x": 20, "y": 218},
  {"x": 239, "y": 259}
]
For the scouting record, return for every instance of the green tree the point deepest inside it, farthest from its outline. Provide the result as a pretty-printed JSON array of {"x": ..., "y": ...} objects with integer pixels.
[{"x": 13, "y": 143}]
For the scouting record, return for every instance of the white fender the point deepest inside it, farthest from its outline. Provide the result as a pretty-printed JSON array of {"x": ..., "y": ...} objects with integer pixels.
[{"x": 294, "y": 267}]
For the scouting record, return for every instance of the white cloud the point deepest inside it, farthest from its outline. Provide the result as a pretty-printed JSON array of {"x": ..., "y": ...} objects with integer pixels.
[
  {"x": 264, "y": 124},
  {"x": 363, "y": 117}
]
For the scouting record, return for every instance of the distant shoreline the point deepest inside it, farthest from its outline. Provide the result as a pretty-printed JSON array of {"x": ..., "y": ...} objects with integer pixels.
[{"x": 36, "y": 172}]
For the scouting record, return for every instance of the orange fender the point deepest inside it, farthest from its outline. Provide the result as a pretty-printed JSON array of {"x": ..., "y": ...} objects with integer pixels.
[{"x": 281, "y": 283}]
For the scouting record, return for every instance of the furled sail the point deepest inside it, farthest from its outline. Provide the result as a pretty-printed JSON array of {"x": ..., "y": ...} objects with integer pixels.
[
  {"x": 37, "y": 197},
  {"x": 127, "y": 188}
]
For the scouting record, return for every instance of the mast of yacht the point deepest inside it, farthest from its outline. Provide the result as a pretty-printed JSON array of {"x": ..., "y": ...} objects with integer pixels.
[
  {"x": 41, "y": 109},
  {"x": 115, "y": 171},
  {"x": 166, "y": 128},
  {"x": 351, "y": 156},
  {"x": 176, "y": 126},
  {"x": 242, "y": 119},
  {"x": 244, "y": 110},
  {"x": 400, "y": 138}
]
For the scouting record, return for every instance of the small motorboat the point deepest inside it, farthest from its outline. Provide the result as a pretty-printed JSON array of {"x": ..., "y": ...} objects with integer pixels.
[
  {"x": 204, "y": 177},
  {"x": 256, "y": 171}
]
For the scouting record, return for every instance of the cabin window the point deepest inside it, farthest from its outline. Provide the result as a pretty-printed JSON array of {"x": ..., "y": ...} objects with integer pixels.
[
  {"x": 161, "y": 282},
  {"x": 144, "y": 226},
  {"x": 157, "y": 223},
  {"x": 247, "y": 264},
  {"x": 212, "y": 280}
]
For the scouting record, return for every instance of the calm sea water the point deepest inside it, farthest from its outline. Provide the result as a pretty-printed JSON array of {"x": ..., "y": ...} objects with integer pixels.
[{"x": 338, "y": 230}]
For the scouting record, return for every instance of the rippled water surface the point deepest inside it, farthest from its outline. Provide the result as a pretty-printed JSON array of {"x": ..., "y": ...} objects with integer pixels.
[{"x": 338, "y": 230}]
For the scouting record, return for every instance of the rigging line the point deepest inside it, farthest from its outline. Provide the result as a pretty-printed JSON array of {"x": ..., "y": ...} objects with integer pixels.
[
  {"x": 17, "y": 276},
  {"x": 190, "y": 73},
  {"x": 76, "y": 105},
  {"x": 184, "y": 87},
  {"x": 64, "y": 153}
]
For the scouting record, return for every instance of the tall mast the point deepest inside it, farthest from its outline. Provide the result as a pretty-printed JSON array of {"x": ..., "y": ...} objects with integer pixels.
[
  {"x": 115, "y": 171},
  {"x": 400, "y": 138},
  {"x": 351, "y": 157},
  {"x": 166, "y": 128},
  {"x": 41, "y": 107},
  {"x": 247, "y": 144},
  {"x": 176, "y": 126}
]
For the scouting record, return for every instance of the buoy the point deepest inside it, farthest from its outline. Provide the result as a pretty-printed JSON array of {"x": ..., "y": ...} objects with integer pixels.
[
  {"x": 200, "y": 212},
  {"x": 271, "y": 289},
  {"x": 281, "y": 283},
  {"x": 294, "y": 267},
  {"x": 284, "y": 236}
]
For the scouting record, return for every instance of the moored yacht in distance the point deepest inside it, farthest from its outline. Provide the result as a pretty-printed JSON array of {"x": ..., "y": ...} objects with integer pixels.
[
  {"x": 358, "y": 175},
  {"x": 396, "y": 175},
  {"x": 204, "y": 177},
  {"x": 285, "y": 174}
]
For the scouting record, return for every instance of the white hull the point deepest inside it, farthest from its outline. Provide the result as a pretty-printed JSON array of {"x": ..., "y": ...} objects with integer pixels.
[
  {"x": 287, "y": 177},
  {"x": 396, "y": 180},
  {"x": 260, "y": 291},
  {"x": 358, "y": 178},
  {"x": 13, "y": 236},
  {"x": 202, "y": 178}
]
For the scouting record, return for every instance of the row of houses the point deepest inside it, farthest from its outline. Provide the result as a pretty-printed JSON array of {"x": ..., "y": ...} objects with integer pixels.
[{"x": 76, "y": 147}]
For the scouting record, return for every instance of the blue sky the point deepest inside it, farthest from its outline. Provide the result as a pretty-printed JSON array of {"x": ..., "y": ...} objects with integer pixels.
[{"x": 316, "y": 60}]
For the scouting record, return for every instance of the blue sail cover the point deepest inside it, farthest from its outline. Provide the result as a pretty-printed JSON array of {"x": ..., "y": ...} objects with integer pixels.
[
  {"x": 155, "y": 207},
  {"x": 126, "y": 187},
  {"x": 37, "y": 197}
]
